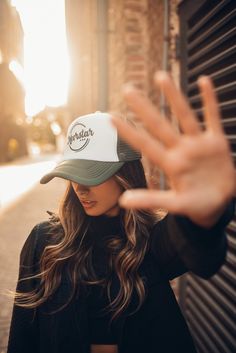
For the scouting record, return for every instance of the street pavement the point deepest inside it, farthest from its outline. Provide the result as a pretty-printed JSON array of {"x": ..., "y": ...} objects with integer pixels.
[{"x": 17, "y": 217}]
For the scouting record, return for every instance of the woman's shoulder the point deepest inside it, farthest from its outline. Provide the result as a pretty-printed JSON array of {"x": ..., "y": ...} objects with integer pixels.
[{"x": 42, "y": 234}]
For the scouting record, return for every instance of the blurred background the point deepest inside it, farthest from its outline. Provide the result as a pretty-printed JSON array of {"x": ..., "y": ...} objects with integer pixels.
[
  {"x": 63, "y": 58},
  {"x": 34, "y": 75}
]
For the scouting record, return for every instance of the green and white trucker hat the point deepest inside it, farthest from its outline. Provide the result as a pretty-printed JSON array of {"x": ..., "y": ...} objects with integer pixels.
[{"x": 93, "y": 151}]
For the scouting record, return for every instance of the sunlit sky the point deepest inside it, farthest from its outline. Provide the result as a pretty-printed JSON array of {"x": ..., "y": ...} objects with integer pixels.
[{"x": 46, "y": 64}]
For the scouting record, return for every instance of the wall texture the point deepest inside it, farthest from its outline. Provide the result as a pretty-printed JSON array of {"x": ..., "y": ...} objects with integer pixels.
[{"x": 135, "y": 39}]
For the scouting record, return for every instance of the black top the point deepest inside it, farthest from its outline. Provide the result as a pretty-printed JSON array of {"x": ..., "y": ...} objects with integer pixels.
[
  {"x": 176, "y": 246},
  {"x": 101, "y": 329}
]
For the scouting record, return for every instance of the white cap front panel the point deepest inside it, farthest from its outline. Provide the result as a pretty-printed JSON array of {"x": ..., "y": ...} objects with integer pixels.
[{"x": 92, "y": 137}]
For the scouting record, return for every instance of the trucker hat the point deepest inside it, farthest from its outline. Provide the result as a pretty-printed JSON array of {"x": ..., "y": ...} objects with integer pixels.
[{"x": 93, "y": 151}]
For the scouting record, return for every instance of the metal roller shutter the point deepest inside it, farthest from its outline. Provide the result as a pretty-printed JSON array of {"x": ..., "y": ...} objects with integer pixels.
[{"x": 208, "y": 46}]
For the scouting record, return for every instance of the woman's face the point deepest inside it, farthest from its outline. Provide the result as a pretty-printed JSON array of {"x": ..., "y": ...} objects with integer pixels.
[{"x": 101, "y": 199}]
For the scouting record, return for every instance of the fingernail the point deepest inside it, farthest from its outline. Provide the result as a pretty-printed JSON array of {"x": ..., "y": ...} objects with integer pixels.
[
  {"x": 125, "y": 197},
  {"x": 161, "y": 76},
  {"x": 114, "y": 118},
  {"x": 127, "y": 88},
  {"x": 202, "y": 79}
]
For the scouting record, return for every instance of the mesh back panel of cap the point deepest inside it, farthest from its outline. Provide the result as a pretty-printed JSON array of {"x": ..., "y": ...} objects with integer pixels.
[{"x": 125, "y": 152}]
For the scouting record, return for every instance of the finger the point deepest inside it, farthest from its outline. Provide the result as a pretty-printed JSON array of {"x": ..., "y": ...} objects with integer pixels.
[
  {"x": 157, "y": 125},
  {"x": 211, "y": 114},
  {"x": 141, "y": 141},
  {"x": 178, "y": 104},
  {"x": 142, "y": 198}
]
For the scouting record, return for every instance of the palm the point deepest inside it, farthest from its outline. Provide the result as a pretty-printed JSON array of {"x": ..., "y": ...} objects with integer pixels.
[
  {"x": 197, "y": 163},
  {"x": 199, "y": 175}
]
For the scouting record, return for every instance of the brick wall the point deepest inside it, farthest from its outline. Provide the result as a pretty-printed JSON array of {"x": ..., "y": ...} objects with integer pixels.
[
  {"x": 134, "y": 49},
  {"x": 156, "y": 37},
  {"x": 135, "y": 41},
  {"x": 116, "y": 54},
  {"x": 174, "y": 66},
  {"x": 135, "y": 46},
  {"x": 135, "y": 37}
]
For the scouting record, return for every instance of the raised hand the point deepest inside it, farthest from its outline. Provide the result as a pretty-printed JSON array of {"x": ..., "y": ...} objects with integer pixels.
[{"x": 197, "y": 162}]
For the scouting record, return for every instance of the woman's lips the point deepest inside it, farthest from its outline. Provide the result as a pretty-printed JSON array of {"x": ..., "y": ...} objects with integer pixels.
[{"x": 88, "y": 204}]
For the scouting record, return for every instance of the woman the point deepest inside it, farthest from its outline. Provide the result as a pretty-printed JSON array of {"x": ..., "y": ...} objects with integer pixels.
[{"x": 95, "y": 277}]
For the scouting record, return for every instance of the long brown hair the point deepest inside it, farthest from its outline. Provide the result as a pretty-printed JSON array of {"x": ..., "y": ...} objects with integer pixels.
[{"x": 72, "y": 251}]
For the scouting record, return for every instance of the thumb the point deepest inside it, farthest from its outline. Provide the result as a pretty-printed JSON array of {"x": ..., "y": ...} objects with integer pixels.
[{"x": 142, "y": 198}]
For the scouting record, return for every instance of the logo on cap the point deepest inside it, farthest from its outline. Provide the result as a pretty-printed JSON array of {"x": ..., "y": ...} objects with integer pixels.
[{"x": 79, "y": 137}]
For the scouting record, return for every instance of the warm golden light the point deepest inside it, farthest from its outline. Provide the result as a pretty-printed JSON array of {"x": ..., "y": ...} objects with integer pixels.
[
  {"x": 46, "y": 64},
  {"x": 27, "y": 176}
]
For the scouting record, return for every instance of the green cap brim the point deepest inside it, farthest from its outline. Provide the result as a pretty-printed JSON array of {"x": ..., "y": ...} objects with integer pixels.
[{"x": 85, "y": 172}]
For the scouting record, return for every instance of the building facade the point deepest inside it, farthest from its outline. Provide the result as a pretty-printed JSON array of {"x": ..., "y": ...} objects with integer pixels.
[{"x": 13, "y": 137}]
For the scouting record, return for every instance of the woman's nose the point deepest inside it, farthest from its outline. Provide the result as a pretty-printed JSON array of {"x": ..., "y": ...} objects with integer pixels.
[{"x": 83, "y": 189}]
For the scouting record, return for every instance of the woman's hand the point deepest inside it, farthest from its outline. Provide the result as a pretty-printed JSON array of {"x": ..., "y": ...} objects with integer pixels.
[{"x": 197, "y": 162}]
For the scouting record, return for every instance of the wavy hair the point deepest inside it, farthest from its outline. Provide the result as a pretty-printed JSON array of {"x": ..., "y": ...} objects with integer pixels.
[{"x": 71, "y": 250}]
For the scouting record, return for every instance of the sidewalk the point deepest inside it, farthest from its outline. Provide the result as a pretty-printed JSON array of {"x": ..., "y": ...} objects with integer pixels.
[
  {"x": 17, "y": 218},
  {"x": 19, "y": 176}
]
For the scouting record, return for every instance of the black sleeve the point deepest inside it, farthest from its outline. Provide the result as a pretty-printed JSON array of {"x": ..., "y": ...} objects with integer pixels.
[
  {"x": 179, "y": 245},
  {"x": 23, "y": 329}
]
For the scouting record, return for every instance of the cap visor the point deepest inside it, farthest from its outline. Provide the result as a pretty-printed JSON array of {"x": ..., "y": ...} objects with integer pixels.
[{"x": 85, "y": 172}]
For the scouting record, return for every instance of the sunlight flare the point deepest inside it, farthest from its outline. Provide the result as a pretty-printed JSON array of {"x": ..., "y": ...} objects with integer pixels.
[{"x": 46, "y": 62}]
